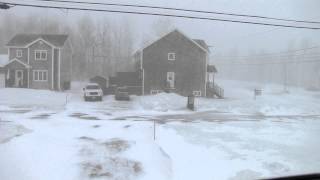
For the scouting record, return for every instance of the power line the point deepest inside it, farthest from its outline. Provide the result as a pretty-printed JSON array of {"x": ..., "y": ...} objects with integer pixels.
[
  {"x": 268, "y": 54},
  {"x": 183, "y": 10},
  {"x": 316, "y": 55},
  {"x": 285, "y": 56},
  {"x": 272, "y": 63},
  {"x": 161, "y": 14}
]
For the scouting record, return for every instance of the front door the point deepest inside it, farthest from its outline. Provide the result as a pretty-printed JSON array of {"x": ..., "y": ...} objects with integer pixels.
[
  {"x": 18, "y": 78},
  {"x": 170, "y": 80}
]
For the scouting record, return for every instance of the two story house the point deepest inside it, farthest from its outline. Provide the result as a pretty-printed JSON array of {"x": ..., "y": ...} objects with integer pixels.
[
  {"x": 178, "y": 64},
  {"x": 39, "y": 61}
]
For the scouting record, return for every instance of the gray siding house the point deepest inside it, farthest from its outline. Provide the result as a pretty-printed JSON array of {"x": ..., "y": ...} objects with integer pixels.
[
  {"x": 39, "y": 61},
  {"x": 176, "y": 63}
]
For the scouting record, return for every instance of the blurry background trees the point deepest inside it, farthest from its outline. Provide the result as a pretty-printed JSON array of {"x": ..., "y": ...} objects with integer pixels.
[
  {"x": 100, "y": 47},
  {"x": 104, "y": 46}
]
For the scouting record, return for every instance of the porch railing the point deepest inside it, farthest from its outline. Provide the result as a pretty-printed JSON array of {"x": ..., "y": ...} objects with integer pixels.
[{"x": 215, "y": 90}]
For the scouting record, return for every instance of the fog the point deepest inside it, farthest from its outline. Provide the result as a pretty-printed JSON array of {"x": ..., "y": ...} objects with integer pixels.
[{"x": 119, "y": 35}]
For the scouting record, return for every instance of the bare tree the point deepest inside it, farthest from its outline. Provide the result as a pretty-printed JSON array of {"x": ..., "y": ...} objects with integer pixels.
[{"x": 162, "y": 26}]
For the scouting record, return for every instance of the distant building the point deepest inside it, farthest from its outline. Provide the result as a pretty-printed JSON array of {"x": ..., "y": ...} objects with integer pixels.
[
  {"x": 130, "y": 80},
  {"x": 177, "y": 63},
  {"x": 39, "y": 61}
]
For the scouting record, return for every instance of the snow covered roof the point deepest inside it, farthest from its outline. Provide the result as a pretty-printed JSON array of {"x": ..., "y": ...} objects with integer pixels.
[
  {"x": 24, "y": 39},
  {"x": 3, "y": 59}
]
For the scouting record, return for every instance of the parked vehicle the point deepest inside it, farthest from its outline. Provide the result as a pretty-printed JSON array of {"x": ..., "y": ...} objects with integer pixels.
[
  {"x": 102, "y": 81},
  {"x": 92, "y": 91},
  {"x": 122, "y": 94}
]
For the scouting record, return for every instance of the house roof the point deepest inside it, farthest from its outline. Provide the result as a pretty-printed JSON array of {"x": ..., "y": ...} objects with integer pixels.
[
  {"x": 177, "y": 30},
  {"x": 57, "y": 40},
  {"x": 3, "y": 59},
  {"x": 202, "y": 43},
  {"x": 211, "y": 68},
  {"x": 17, "y": 60}
]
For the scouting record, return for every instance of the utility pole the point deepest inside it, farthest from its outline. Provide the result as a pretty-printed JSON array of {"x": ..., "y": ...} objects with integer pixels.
[
  {"x": 154, "y": 129},
  {"x": 285, "y": 72}
]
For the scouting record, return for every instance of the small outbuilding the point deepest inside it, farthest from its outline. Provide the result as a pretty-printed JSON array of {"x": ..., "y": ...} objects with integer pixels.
[{"x": 131, "y": 80}]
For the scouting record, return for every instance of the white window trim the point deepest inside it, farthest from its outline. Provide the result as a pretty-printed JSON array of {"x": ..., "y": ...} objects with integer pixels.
[
  {"x": 173, "y": 55},
  {"x": 19, "y": 53},
  {"x": 42, "y": 71},
  {"x": 153, "y": 91},
  {"x": 40, "y": 51},
  {"x": 196, "y": 93}
]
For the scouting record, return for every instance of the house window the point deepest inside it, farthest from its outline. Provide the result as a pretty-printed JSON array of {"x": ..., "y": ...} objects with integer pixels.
[
  {"x": 40, "y": 75},
  {"x": 19, "y": 53},
  {"x": 170, "y": 80},
  {"x": 155, "y": 91},
  {"x": 171, "y": 56},
  {"x": 196, "y": 93},
  {"x": 41, "y": 55}
]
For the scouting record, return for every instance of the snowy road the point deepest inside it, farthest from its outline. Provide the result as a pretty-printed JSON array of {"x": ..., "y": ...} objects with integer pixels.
[
  {"x": 43, "y": 137},
  {"x": 206, "y": 145}
]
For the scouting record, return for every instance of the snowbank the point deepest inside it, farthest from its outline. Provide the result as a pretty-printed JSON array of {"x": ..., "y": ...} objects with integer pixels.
[
  {"x": 161, "y": 102},
  {"x": 31, "y": 98},
  {"x": 78, "y": 148},
  {"x": 239, "y": 100},
  {"x": 273, "y": 101}
]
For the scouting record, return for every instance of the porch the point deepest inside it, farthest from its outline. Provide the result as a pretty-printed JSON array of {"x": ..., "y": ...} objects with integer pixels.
[
  {"x": 17, "y": 78},
  {"x": 16, "y": 74},
  {"x": 213, "y": 90}
]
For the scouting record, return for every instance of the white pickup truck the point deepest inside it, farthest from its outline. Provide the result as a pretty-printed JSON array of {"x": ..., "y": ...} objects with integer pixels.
[{"x": 92, "y": 91}]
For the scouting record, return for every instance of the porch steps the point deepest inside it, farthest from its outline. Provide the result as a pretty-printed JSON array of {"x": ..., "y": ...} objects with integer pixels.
[
  {"x": 218, "y": 91},
  {"x": 213, "y": 90}
]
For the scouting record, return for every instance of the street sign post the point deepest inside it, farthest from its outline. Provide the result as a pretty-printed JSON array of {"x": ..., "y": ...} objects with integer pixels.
[{"x": 257, "y": 92}]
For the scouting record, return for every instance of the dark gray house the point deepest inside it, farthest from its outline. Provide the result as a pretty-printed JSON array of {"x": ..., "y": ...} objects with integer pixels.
[
  {"x": 177, "y": 63},
  {"x": 39, "y": 61}
]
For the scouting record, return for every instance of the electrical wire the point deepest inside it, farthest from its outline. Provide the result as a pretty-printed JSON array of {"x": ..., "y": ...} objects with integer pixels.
[
  {"x": 181, "y": 9},
  {"x": 159, "y": 14}
]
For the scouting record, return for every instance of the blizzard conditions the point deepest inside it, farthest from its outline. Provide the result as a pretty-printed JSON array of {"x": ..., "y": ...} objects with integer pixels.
[
  {"x": 159, "y": 90},
  {"x": 242, "y": 137}
]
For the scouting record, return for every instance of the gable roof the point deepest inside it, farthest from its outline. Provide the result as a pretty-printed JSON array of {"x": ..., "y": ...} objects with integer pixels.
[
  {"x": 202, "y": 43},
  {"x": 176, "y": 30},
  {"x": 212, "y": 69},
  {"x": 22, "y": 40},
  {"x": 17, "y": 60}
]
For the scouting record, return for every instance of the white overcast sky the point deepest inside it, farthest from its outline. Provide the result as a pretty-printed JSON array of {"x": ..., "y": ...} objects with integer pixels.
[{"x": 222, "y": 36}]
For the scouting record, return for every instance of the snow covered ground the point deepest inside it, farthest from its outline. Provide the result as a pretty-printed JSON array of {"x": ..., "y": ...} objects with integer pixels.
[{"x": 57, "y": 136}]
